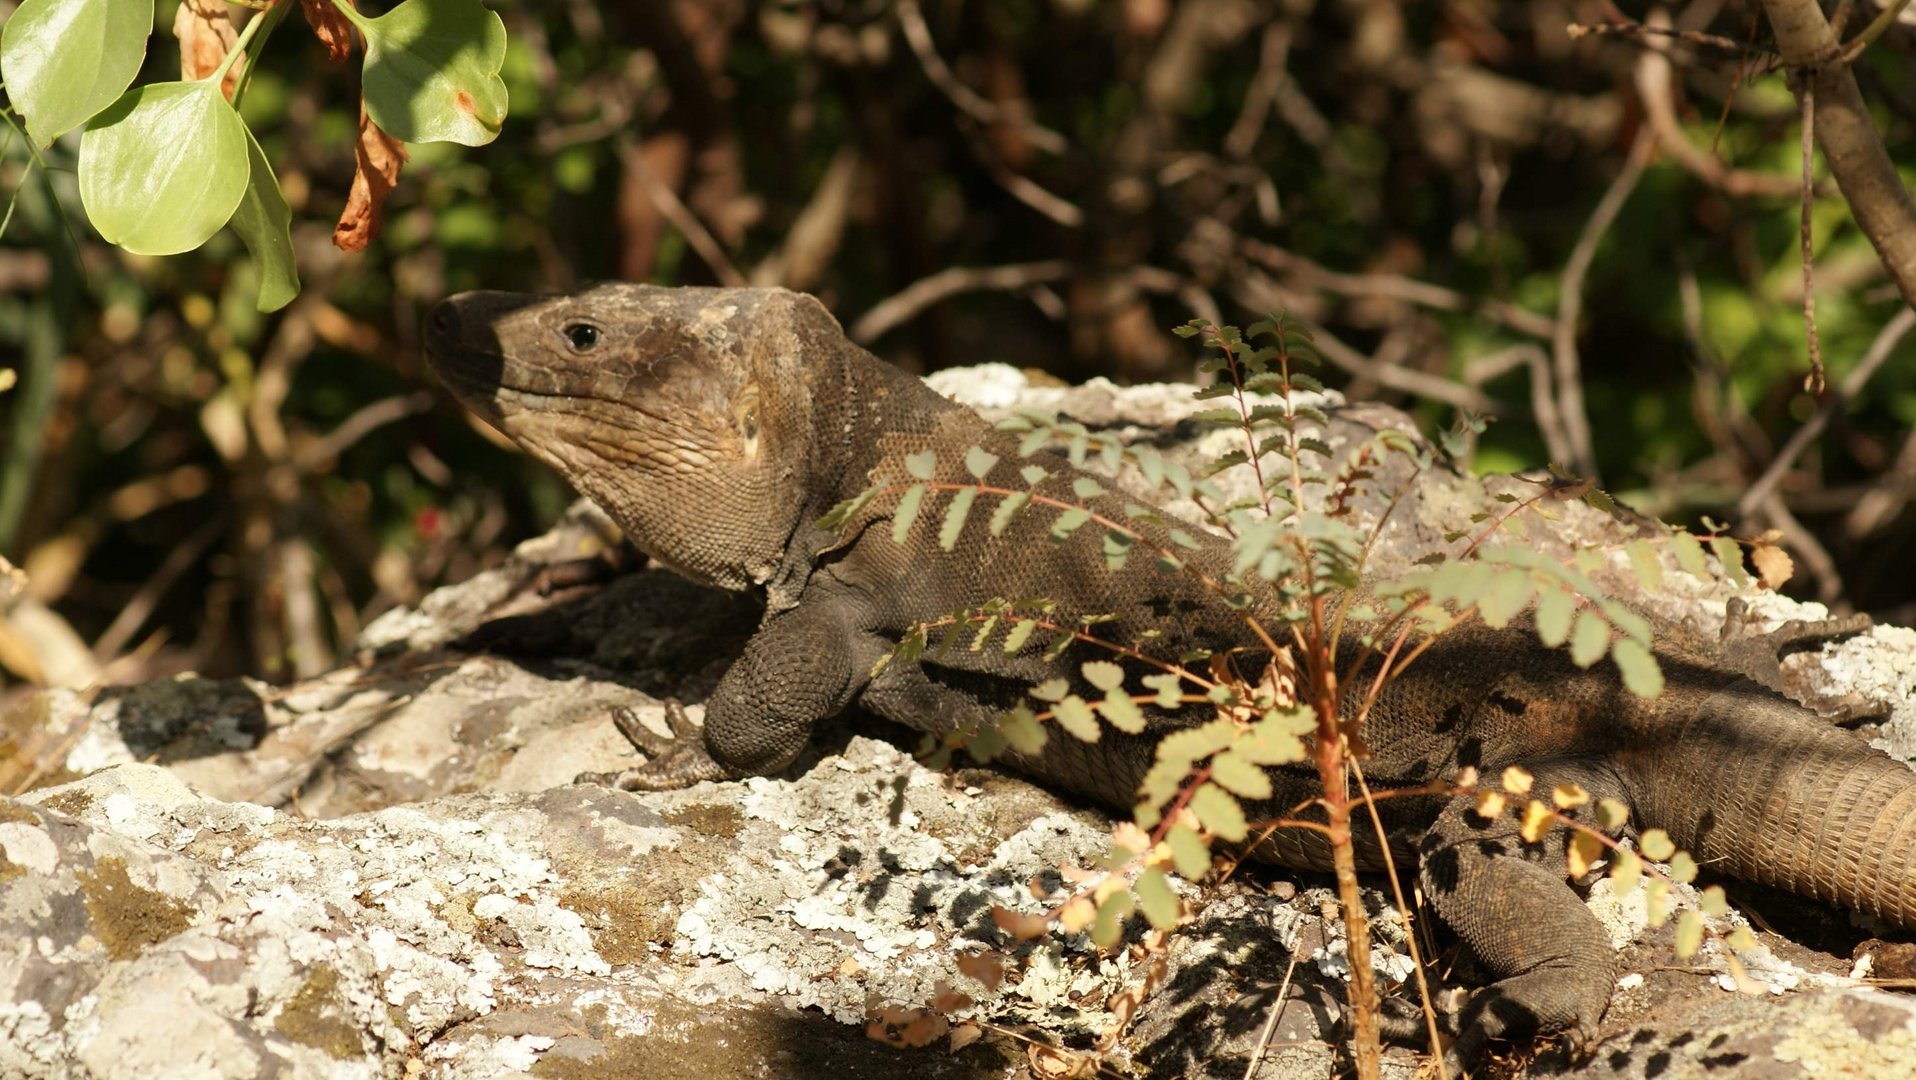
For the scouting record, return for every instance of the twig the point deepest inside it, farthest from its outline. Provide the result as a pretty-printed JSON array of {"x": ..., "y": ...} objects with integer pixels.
[
  {"x": 1654, "y": 80},
  {"x": 1397, "y": 287},
  {"x": 1568, "y": 367},
  {"x": 1034, "y": 195},
  {"x": 133, "y": 616},
  {"x": 918, "y": 35},
  {"x": 905, "y": 305},
  {"x": 1816, "y": 557},
  {"x": 1261, "y": 93},
  {"x": 1851, "y": 146},
  {"x": 1886, "y": 341},
  {"x": 361, "y": 423},
  {"x": 1408, "y": 380},
  {"x": 1639, "y": 30},
  {"x": 1270, "y": 1022},
  {"x": 1813, "y": 382},
  {"x": 1884, "y": 19},
  {"x": 680, "y": 216}
]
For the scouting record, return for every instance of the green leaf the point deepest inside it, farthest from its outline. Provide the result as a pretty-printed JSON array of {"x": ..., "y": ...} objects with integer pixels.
[
  {"x": 163, "y": 167},
  {"x": 1683, "y": 870},
  {"x": 1170, "y": 689},
  {"x": 907, "y": 512},
  {"x": 1157, "y": 899},
  {"x": 1626, "y": 872},
  {"x": 955, "y": 516},
  {"x": 1122, "y": 713},
  {"x": 1103, "y": 674},
  {"x": 1590, "y": 640},
  {"x": 1643, "y": 560},
  {"x": 1189, "y": 853},
  {"x": 1019, "y": 633},
  {"x": 1033, "y": 474},
  {"x": 1655, "y": 844},
  {"x": 1008, "y": 508},
  {"x": 1689, "y": 934},
  {"x": 1640, "y": 671},
  {"x": 1689, "y": 554},
  {"x": 1555, "y": 607},
  {"x": 65, "y": 60},
  {"x": 265, "y": 225},
  {"x": 1068, "y": 522},
  {"x": 1117, "y": 549},
  {"x": 1238, "y": 775},
  {"x": 1109, "y": 925},
  {"x": 922, "y": 464},
  {"x": 1086, "y": 488},
  {"x": 1075, "y": 716},
  {"x": 978, "y": 461},
  {"x": 1217, "y": 811},
  {"x": 432, "y": 71},
  {"x": 1022, "y": 731},
  {"x": 1731, "y": 556},
  {"x": 1051, "y": 690},
  {"x": 1505, "y": 597}
]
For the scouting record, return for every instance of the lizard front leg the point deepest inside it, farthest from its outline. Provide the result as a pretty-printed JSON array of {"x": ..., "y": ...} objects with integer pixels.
[
  {"x": 795, "y": 672},
  {"x": 1508, "y": 900}
]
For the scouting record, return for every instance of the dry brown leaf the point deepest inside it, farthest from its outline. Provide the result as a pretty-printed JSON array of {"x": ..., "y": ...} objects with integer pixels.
[
  {"x": 331, "y": 27},
  {"x": 206, "y": 33},
  {"x": 963, "y": 1035},
  {"x": 987, "y": 968},
  {"x": 377, "y": 157},
  {"x": 1774, "y": 567},
  {"x": 1023, "y": 927}
]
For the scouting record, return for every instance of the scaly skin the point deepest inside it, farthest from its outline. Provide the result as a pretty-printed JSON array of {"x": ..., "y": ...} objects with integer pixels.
[{"x": 717, "y": 426}]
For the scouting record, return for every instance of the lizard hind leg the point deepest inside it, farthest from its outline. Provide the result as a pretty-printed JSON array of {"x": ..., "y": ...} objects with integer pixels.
[
  {"x": 1511, "y": 904},
  {"x": 672, "y": 762}
]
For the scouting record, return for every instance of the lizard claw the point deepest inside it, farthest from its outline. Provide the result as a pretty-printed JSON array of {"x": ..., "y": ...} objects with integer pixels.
[{"x": 675, "y": 761}]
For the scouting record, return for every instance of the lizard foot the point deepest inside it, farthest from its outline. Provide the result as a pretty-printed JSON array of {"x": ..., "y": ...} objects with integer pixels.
[{"x": 675, "y": 761}]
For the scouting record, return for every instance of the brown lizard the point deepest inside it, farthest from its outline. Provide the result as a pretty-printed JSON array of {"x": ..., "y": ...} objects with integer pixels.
[{"x": 718, "y": 426}]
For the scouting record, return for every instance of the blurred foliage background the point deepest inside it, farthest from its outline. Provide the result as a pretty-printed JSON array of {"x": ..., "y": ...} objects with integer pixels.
[{"x": 1048, "y": 183}]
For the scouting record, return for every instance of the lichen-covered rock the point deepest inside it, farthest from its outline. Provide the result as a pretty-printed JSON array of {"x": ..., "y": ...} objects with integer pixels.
[{"x": 387, "y": 871}]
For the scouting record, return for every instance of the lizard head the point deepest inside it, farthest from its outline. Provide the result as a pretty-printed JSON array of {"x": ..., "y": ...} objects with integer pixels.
[{"x": 687, "y": 414}]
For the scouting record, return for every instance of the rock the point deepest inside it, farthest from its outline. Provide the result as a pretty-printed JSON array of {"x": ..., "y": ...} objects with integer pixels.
[{"x": 387, "y": 870}]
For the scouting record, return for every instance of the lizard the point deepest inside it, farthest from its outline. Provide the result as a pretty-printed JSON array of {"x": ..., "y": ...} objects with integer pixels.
[{"x": 717, "y": 427}]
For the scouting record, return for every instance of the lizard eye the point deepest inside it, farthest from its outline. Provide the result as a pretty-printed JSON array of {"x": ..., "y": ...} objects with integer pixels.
[{"x": 583, "y": 336}]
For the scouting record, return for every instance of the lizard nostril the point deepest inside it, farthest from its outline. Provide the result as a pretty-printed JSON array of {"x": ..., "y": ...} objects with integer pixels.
[{"x": 445, "y": 320}]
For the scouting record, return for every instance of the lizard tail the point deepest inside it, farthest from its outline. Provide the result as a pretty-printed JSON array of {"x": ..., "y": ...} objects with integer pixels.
[{"x": 1759, "y": 794}]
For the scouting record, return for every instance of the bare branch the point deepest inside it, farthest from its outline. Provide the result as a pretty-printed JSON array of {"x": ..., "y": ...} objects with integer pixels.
[
  {"x": 680, "y": 216},
  {"x": 1568, "y": 366},
  {"x": 1396, "y": 287},
  {"x": 905, "y": 305},
  {"x": 1886, "y": 341},
  {"x": 911, "y": 19},
  {"x": 1815, "y": 381},
  {"x": 1850, "y": 144}
]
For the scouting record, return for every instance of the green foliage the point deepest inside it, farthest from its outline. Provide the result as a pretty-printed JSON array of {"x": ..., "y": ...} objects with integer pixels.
[
  {"x": 162, "y": 167},
  {"x": 432, "y": 70},
  {"x": 62, "y": 61}
]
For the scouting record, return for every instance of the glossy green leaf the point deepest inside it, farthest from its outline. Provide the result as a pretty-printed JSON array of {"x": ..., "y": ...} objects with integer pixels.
[
  {"x": 265, "y": 224},
  {"x": 65, "y": 60},
  {"x": 164, "y": 167},
  {"x": 432, "y": 70}
]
